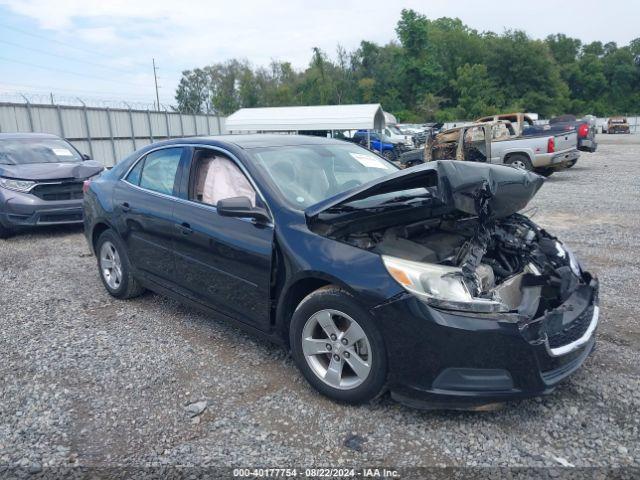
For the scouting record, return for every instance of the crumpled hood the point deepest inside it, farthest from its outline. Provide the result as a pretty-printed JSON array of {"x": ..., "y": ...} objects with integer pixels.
[
  {"x": 489, "y": 191},
  {"x": 52, "y": 171}
]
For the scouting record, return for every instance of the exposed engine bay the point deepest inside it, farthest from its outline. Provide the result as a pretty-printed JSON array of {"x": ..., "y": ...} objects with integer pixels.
[
  {"x": 458, "y": 242},
  {"x": 510, "y": 260}
]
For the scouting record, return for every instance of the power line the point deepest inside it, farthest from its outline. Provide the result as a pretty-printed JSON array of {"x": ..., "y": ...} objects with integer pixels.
[
  {"x": 65, "y": 57},
  {"x": 70, "y": 72},
  {"x": 93, "y": 53},
  {"x": 49, "y": 39}
]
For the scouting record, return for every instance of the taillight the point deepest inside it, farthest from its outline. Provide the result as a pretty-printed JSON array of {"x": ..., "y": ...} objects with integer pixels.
[
  {"x": 551, "y": 145},
  {"x": 85, "y": 186},
  {"x": 583, "y": 130}
]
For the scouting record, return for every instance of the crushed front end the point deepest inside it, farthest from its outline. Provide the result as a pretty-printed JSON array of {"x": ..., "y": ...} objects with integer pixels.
[
  {"x": 494, "y": 307},
  {"x": 538, "y": 327}
]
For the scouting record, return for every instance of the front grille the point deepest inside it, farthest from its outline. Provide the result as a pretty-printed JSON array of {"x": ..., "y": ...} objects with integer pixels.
[
  {"x": 60, "y": 217},
  {"x": 574, "y": 330},
  {"x": 58, "y": 191}
]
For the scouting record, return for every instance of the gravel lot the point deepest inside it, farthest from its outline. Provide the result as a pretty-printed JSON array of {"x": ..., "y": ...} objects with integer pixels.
[{"x": 90, "y": 380}]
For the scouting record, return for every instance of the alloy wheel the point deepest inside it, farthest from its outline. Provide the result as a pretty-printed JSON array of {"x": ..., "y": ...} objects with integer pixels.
[
  {"x": 110, "y": 265},
  {"x": 337, "y": 349}
]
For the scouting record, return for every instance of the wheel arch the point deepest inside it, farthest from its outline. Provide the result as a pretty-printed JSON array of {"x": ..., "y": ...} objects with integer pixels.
[
  {"x": 513, "y": 153},
  {"x": 297, "y": 291},
  {"x": 98, "y": 229}
]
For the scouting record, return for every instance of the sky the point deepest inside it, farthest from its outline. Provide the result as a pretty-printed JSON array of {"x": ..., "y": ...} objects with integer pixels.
[{"x": 103, "y": 49}]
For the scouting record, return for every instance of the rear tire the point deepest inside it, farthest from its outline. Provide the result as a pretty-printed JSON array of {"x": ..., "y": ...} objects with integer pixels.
[
  {"x": 337, "y": 346},
  {"x": 571, "y": 163},
  {"x": 520, "y": 161},
  {"x": 114, "y": 267}
]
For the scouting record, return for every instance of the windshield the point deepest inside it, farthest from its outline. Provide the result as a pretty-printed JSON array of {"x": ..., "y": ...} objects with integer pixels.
[
  {"x": 394, "y": 129},
  {"x": 307, "y": 174},
  {"x": 20, "y": 151}
]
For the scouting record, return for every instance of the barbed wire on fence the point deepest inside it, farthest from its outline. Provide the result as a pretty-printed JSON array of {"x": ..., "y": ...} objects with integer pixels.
[{"x": 71, "y": 100}]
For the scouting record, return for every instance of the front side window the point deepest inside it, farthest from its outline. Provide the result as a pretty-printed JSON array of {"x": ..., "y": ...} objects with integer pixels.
[
  {"x": 157, "y": 171},
  {"x": 215, "y": 177},
  {"x": 21, "y": 151}
]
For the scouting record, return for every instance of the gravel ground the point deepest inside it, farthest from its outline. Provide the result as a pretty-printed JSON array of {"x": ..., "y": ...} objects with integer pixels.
[{"x": 93, "y": 381}]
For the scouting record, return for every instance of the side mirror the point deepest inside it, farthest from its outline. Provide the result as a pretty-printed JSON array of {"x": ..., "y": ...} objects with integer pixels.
[
  {"x": 86, "y": 157},
  {"x": 240, "y": 207}
]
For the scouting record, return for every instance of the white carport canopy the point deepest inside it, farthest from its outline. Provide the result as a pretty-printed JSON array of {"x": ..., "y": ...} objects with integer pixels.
[
  {"x": 296, "y": 119},
  {"x": 390, "y": 118}
]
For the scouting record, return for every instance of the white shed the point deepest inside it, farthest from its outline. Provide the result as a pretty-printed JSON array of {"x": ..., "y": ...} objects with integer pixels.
[{"x": 313, "y": 118}]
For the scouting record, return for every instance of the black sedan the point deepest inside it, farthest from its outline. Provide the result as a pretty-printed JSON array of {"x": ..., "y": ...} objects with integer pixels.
[{"x": 424, "y": 281}]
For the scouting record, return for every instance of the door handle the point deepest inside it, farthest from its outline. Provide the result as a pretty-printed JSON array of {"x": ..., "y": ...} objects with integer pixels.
[
  {"x": 125, "y": 207},
  {"x": 185, "y": 228}
]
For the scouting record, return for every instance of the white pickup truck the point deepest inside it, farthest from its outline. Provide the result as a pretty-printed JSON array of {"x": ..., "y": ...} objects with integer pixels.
[{"x": 497, "y": 142}]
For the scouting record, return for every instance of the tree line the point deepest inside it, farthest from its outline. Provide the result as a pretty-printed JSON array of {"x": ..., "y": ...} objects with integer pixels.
[{"x": 436, "y": 70}]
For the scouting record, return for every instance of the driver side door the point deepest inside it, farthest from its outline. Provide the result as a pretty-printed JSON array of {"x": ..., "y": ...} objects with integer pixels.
[{"x": 222, "y": 262}]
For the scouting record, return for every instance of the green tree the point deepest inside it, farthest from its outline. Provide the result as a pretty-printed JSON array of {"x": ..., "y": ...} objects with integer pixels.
[
  {"x": 476, "y": 91},
  {"x": 436, "y": 70}
]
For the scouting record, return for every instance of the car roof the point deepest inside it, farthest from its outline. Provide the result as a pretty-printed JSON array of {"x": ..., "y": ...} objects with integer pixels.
[
  {"x": 8, "y": 136},
  {"x": 250, "y": 141}
]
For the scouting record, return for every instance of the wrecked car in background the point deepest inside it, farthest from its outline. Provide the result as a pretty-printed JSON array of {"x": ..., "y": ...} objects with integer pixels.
[
  {"x": 616, "y": 125},
  {"x": 423, "y": 281},
  {"x": 519, "y": 121},
  {"x": 497, "y": 142},
  {"x": 41, "y": 179}
]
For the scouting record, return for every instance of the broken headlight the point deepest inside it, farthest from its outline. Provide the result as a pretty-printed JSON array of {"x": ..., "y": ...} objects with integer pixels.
[
  {"x": 439, "y": 285},
  {"x": 564, "y": 252},
  {"x": 16, "y": 185}
]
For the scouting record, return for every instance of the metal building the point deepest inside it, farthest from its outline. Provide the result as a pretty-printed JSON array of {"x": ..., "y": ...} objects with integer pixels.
[{"x": 301, "y": 119}]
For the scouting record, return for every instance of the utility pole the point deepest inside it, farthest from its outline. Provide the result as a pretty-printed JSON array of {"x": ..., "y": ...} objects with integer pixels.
[{"x": 155, "y": 79}]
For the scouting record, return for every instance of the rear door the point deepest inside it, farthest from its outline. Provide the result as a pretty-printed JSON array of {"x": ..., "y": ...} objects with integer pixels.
[
  {"x": 222, "y": 262},
  {"x": 144, "y": 203}
]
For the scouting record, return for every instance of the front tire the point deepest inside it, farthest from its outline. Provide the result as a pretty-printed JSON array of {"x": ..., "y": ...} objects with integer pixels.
[
  {"x": 337, "y": 347},
  {"x": 115, "y": 268}
]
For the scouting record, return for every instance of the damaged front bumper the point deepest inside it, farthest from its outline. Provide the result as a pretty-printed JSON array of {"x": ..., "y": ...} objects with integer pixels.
[
  {"x": 446, "y": 359},
  {"x": 20, "y": 209}
]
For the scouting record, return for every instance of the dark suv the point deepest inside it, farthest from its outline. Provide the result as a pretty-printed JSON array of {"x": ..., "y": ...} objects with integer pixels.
[
  {"x": 423, "y": 281},
  {"x": 41, "y": 179}
]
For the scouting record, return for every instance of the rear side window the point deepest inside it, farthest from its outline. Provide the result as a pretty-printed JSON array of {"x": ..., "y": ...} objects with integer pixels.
[
  {"x": 157, "y": 171},
  {"x": 134, "y": 174}
]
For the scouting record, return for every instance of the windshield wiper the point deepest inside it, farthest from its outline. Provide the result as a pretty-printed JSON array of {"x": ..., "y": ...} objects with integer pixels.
[{"x": 404, "y": 198}]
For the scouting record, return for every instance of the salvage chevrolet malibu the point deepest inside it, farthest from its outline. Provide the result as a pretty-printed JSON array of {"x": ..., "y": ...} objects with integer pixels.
[
  {"x": 425, "y": 281},
  {"x": 41, "y": 179}
]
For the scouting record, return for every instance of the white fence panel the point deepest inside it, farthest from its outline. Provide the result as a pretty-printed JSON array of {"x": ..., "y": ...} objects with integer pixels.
[{"x": 110, "y": 136}]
